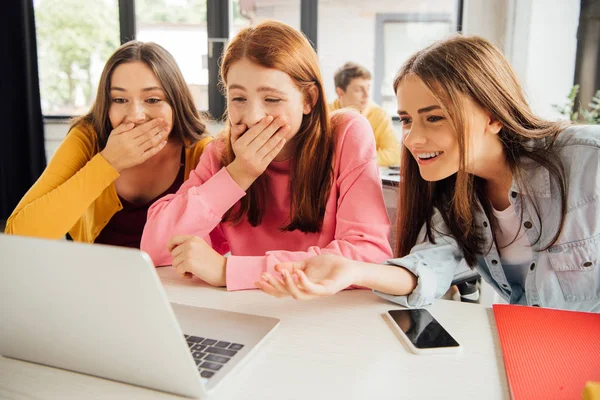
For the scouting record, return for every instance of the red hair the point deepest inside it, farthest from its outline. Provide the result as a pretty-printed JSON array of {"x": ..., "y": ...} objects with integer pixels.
[{"x": 276, "y": 45}]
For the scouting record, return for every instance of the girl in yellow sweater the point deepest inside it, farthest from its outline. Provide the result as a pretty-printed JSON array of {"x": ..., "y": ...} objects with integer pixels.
[{"x": 140, "y": 140}]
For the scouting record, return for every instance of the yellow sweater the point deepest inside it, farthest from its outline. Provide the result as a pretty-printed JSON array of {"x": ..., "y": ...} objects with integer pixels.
[
  {"x": 76, "y": 192},
  {"x": 591, "y": 391},
  {"x": 388, "y": 146}
]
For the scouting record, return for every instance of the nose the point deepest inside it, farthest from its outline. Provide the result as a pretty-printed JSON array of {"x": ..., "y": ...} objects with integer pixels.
[
  {"x": 136, "y": 112},
  {"x": 253, "y": 114},
  {"x": 413, "y": 136}
]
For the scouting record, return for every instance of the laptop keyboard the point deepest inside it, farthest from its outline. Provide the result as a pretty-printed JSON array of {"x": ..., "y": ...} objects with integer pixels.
[{"x": 210, "y": 355}]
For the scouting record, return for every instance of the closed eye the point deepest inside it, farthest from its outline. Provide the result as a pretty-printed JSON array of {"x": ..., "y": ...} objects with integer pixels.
[
  {"x": 273, "y": 100},
  {"x": 238, "y": 99}
]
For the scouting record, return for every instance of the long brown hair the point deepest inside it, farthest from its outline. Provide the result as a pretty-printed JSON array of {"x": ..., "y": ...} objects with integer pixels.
[
  {"x": 471, "y": 66},
  {"x": 278, "y": 46},
  {"x": 188, "y": 126}
]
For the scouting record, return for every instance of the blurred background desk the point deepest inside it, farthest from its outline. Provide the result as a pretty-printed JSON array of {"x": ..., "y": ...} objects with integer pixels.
[
  {"x": 338, "y": 347},
  {"x": 390, "y": 177}
]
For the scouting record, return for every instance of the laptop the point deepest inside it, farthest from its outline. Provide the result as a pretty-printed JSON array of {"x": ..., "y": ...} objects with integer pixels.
[{"x": 102, "y": 311}]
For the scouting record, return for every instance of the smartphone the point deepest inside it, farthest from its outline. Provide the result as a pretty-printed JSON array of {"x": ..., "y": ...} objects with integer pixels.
[{"x": 422, "y": 333}]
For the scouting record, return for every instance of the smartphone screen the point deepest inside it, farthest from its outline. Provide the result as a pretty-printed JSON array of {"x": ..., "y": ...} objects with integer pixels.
[{"x": 423, "y": 331}]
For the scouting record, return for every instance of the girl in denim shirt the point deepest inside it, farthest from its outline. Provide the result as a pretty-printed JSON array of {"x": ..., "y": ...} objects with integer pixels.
[{"x": 486, "y": 184}]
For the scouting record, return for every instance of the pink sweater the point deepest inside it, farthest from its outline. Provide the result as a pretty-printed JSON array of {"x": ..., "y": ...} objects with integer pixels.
[{"x": 355, "y": 225}]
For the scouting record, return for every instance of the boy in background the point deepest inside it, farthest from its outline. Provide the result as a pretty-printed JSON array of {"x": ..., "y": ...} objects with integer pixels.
[{"x": 353, "y": 85}]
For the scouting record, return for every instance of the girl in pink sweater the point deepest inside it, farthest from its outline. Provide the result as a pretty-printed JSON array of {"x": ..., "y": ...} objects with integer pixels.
[{"x": 284, "y": 182}]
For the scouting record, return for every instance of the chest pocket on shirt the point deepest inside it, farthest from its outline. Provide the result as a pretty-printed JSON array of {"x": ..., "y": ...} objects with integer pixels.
[{"x": 577, "y": 267}]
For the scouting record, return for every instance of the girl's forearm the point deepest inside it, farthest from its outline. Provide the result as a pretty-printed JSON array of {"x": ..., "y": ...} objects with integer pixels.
[{"x": 386, "y": 278}]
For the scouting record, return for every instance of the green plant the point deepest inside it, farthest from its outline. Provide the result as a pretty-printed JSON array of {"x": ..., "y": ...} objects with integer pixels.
[{"x": 590, "y": 116}]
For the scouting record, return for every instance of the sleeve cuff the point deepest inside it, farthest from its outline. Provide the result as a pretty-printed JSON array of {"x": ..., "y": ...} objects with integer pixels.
[
  {"x": 242, "y": 271},
  {"x": 222, "y": 184},
  {"x": 108, "y": 171},
  {"x": 424, "y": 292}
]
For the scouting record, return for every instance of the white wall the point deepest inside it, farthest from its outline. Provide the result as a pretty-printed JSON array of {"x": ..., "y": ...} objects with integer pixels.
[
  {"x": 538, "y": 37},
  {"x": 54, "y": 133},
  {"x": 487, "y": 18},
  {"x": 548, "y": 68}
]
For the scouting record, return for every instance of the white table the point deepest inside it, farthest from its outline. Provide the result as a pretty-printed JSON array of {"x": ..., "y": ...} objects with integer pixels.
[{"x": 333, "y": 348}]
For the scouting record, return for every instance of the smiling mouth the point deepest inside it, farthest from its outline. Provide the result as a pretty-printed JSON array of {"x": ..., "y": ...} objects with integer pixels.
[{"x": 429, "y": 156}]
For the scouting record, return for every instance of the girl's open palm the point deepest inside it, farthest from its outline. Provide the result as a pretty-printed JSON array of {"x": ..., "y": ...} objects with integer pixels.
[{"x": 322, "y": 275}]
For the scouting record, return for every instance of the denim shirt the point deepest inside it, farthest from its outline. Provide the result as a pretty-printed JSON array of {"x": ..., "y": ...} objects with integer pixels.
[{"x": 567, "y": 274}]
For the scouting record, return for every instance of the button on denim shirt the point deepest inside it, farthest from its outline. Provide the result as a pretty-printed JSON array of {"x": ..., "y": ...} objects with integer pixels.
[{"x": 567, "y": 274}]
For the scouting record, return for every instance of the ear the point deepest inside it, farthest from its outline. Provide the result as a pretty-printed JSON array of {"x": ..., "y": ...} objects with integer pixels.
[
  {"x": 493, "y": 126},
  {"x": 310, "y": 99},
  {"x": 339, "y": 92}
]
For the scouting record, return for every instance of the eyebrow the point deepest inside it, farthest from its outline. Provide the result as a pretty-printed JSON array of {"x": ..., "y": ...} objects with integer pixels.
[
  {"x": 422, "y": 110},
  {"x": 260, "y": 89},
  {"x": 148, "y": 89}
]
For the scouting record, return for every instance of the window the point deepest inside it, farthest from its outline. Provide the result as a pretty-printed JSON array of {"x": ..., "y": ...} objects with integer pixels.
[
  {"x": 252, "y": 12},
  {"x": 74, "y": 39},
  {"x": 180, "y": 27}
]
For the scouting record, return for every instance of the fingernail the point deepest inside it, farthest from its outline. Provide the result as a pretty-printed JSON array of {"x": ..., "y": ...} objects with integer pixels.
[
  {"x": 257, "y": 284},
  {"x": 265, "y": 277},
  {"x": 284, "y": 273}
]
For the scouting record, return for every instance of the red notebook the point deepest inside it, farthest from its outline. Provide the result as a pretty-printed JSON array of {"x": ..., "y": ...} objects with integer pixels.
[{"x": 548, "y": 354}]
